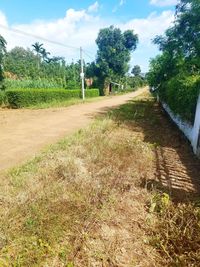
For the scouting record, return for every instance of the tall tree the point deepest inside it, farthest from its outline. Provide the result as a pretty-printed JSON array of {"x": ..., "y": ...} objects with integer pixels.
[
  {"x": 114, "y": 52},
  {"x": 2, "y": 53},
  {"x": 38, "y": 48},
  {"x": 136, "y": 70},
  {"x": 44, "y": 54},
  {"x": 21, "y": 62}
]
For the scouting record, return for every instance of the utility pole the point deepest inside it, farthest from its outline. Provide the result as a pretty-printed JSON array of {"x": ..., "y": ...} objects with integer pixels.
[{"x": 82, "y": 74}]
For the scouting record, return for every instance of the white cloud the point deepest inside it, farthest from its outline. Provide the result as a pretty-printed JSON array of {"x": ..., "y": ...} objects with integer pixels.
[
  {"x": 122, "y": 2},
  {"x": 94, "y": 7},
  {"x": 77, "y": 28},
  {"x": 3, "y": 20},
  {"x": 147, "y": 29},
  {"x": 80, "y": 28},
  {"x": 153, "y": 25},
  {"x": 163, "y": 3}
]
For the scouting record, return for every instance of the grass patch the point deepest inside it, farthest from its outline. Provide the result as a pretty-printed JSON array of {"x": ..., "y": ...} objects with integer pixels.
[
  {"x": 66, "y": 103},
  {"x": 62, "y": 208},
  {"x": 175, "y": 233}
]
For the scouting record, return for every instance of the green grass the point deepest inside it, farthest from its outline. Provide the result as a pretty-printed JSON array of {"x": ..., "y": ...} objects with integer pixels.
[{"x": 69, "y": 102}]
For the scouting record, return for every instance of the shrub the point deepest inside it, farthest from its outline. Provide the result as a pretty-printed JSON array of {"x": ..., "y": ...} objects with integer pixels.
[
  {"x": 2, "y": 98},
  {"x": 29, "y": 97},
  {"x": 181, "y": 94},
  {"x": 92, "y": 92}
]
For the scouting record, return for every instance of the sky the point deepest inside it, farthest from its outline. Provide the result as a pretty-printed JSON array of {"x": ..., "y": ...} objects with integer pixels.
[{"x": 77, "y": 23}]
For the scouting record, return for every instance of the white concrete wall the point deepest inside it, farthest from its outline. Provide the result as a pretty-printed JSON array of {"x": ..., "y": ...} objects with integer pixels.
[
  {"x": 192, "y": 132},
  {"x": 196, "y": 130}
]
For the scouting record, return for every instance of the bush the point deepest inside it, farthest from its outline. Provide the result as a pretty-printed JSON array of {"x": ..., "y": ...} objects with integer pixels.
[
  {"x": 92, "y": 92},
  {"x": 2, "y": 98},
  {"x": 181, "y": 94},
  {"x": 29, "y": 97}
]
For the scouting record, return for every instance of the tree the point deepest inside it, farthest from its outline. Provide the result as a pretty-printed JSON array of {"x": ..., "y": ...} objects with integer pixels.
[
  {"x": 44, "y": 54},
  {"x": 114, "y": 52},
  {"x": 136, "y": 70},
  {"x": 21, "y": 62},
  {"x": 2, "y": 53},
  {"x": 38, "y": 48},
  {"x": 176, "y": 71}
]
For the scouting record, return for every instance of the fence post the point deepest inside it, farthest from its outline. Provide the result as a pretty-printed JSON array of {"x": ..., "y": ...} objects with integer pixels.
[{"x": 196, "y": 130}]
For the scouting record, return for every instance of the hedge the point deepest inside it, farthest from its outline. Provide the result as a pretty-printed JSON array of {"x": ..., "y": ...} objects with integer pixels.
[
  {"x": 2, "y": 98},
  {"x": 20, "y": 98},
  {"x": 181, "y": 94},
  {"x": 93, "y": 92}
]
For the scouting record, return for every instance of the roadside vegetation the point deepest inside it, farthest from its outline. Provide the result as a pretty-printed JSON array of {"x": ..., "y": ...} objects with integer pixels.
[
  {"x": 28, "y": 71},
  {"x": 175, "y": 73},
  {"x": 24, "y": 98},
  {"x": 94, "y": 199}
]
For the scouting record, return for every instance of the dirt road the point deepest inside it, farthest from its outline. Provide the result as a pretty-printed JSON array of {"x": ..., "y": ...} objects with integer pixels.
[{"x": 23, "y": 133}]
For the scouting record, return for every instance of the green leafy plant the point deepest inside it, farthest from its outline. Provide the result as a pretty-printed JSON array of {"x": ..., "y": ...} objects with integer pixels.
[
  {"x": 29, "y": 97},
  {"x": 2, "y": 98}
]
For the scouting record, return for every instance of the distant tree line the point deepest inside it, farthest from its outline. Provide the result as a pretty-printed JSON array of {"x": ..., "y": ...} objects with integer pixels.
[{"x": 37, "y": 64}]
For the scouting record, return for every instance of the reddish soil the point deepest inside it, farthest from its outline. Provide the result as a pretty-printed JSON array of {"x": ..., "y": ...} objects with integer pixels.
[{"x": 25, "y": 132}]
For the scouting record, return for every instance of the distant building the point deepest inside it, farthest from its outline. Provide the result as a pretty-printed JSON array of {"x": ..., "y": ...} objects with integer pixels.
[{"x": 89, "y": 82}]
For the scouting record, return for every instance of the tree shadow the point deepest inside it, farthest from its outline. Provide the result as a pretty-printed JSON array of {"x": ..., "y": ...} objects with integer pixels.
[{"x": 177, "y": 169}]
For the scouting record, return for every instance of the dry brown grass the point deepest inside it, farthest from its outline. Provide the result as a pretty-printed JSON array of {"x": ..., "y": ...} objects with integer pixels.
[{"x": 79, "y": 204}]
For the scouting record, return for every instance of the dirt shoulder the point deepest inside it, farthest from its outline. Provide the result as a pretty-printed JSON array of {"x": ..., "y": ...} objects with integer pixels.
[{"x": 25, "y": 132}]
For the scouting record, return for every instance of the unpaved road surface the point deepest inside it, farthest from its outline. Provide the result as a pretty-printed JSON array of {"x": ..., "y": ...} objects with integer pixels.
[{"x": 23, "y": 133}]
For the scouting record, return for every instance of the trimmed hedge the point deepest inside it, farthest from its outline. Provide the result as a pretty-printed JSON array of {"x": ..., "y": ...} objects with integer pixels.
[
  {"x": 94, "y": 92},
  {"x": 20, "y": 98},
  {"x": 181, "y": 94}
]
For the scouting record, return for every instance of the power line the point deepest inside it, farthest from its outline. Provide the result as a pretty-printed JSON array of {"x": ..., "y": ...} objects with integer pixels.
[
  {"x": 87, "y": 54},
  {"x": 37, "y": 37}
]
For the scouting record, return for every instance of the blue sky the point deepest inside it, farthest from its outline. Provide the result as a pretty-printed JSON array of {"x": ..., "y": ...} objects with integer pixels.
[{"x": 77, "y": 23}]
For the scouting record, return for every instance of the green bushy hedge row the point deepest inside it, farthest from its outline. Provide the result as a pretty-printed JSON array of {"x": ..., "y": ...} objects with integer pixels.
[
  {"x": 181, "y": 94},
  {"x": 93, "y": 92},
  {"x": 29, "y": 97}
]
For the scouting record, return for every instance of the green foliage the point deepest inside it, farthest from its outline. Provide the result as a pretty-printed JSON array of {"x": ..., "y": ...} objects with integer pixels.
[
  {"x": 181, "y": 94},
  {"x": 114, "y": 48},
  {"x": 175, "y": 73},
  {"x": 2, "y": 53},
  {"x": 29, "y": 97},
  {"x": 136, "y": 70},
  {"x": 21, "y": 62},
  {"x": 159, "y": 203},
  {"x": 32, "y": 84},
  {"x": 2, "y": 98},
  {"x": 114, "y": 52},
  {"x": 93, "y": 92},
  {"x": 135, "y": 82},
  {"x": 24, "y": 64}
]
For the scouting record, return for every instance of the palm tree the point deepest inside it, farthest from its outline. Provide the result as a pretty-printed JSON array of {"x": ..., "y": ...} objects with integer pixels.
[
  {"x": 2, "y": 45},
  {"x": 45, "y": 54},
  {"x": 38, "y": 48},
  {"x": 2, "y": 53}
]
